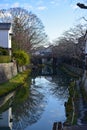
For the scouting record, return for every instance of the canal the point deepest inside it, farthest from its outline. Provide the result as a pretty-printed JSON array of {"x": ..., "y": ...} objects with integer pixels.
[{"x": 41, "y": 104}]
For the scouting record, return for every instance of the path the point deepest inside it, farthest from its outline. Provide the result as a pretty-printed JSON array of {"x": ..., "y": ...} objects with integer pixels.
[
  {"x": 77, "y": 127},
  {"x": 82, "y": 107}
]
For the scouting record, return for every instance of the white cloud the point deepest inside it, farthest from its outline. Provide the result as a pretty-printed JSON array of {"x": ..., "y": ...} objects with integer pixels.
[
  {"x": 24, "y": 5},
  {"x": 42, "y": 8},
  {"x": 4, "y": 6},
  {"x": 16, "y": 4},
  {"x": 27, "y": 6},
  {"x": 73, "y": 6},
  {"x": 55, "y": 2},
  {"x": 8, "y": 14},
  {"x": 40, "y": 2}
]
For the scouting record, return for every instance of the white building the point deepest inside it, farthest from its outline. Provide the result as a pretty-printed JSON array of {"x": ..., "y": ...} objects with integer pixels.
[
  {"x": 6, "y": 120},
  {"x": 5, "y": 35}
]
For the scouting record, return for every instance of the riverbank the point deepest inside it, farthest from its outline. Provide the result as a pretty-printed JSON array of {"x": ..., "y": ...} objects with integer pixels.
[
  {"x": 78, "y": 106},
  {"x": 72, "y": 71},
  {"x": 14, "y": 83},
  {"x": 84, "y": 127}
]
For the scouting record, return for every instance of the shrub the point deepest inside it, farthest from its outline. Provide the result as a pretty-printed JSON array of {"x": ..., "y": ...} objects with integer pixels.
[
  {"x": 3, "y": 51},
  {"x": 21, "y": 57}
]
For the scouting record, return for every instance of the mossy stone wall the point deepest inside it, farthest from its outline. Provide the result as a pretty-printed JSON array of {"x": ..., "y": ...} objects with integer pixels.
[{"x": 7, "y": 71}]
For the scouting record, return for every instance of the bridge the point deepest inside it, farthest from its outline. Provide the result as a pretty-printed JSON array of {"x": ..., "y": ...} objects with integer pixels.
[{"x": 44, "y": 59}]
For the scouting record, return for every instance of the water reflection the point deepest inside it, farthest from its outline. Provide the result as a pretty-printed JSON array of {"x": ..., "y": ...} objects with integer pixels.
[
  {"x": 30, "y": 111},
  {"x": 6, "y": 120},
  {"x": 54, "y": 108},
  {"x": 60, "y": 85},
  {"x": 47, "y": 70},
  {"x": 40, "y": 103}
]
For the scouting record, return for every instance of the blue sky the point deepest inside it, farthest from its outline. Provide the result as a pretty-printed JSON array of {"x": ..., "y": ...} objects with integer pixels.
[{"x": 56, "y": 15}]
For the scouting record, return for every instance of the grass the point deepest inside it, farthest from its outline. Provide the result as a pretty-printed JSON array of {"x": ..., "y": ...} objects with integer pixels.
[
  {"x": 22, "y": 93},
  {"x": 5, "y": 59},
  {"x": 69, "y": 106},
  {"x": 13, "y": 83},
  {"x": 5, "y": 106}
]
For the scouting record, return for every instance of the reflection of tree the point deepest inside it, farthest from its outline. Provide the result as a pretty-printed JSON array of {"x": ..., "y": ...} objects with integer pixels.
[
  {"x": 60, "y": 88},
  {"x": 47, "y": 70},
  {"x": 30, "y": 111}
]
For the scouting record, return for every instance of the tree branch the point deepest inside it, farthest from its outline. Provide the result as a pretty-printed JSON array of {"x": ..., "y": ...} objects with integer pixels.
[{"x": 82, "y": 6}]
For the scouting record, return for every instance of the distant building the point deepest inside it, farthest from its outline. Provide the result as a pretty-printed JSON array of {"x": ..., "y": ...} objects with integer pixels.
[
  {"x": 43, "y": 51},
  {"x": 5, "y": 36}
]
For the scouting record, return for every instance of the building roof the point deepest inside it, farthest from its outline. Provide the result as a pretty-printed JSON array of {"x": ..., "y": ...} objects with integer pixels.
[{"x": 5, "y": 26}]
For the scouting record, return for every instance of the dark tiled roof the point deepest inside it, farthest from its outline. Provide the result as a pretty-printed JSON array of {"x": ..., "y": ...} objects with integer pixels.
[{"x": 5, "y": 26}]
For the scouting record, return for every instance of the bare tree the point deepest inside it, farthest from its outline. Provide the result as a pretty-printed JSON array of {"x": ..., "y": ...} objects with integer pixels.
[
  {"x": 68, "y": 48},
  {"x": 28, "y": 30}
]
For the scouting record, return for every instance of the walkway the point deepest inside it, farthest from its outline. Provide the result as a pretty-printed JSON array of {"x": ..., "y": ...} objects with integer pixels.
[
  {"x": 59, "y": 126},
  {"x": 83, "y": 127}
]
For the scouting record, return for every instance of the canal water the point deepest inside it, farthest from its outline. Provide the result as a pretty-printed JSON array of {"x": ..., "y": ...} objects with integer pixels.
[{"x": 42, "y": 104}]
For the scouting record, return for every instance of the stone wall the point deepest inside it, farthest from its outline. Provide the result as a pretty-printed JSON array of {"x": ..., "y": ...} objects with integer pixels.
[
  {"x": 7, "y": 71},
  {"x": 84, "y": 80}
]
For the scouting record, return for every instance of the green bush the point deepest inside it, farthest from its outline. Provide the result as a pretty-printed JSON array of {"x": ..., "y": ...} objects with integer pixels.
[
  {"x": 21, "y": 57},
  {"x": 5, "y": 59},
  {"x": 3, "y": 51}
]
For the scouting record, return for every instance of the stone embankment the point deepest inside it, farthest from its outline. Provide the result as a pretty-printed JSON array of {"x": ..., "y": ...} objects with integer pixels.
[
  {"x": 59, "y": 126},
  {"x": 7, "y": 71},
  {"x": 4, "y": 99},
  {"x": 84, "y": 80},
  {"x": 83, "y": 127}
]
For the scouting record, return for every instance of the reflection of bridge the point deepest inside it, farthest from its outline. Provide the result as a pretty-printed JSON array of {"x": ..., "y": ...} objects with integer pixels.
[
  {"x": 46, "y": 70},
  {"x": 46, "y": 59}
]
